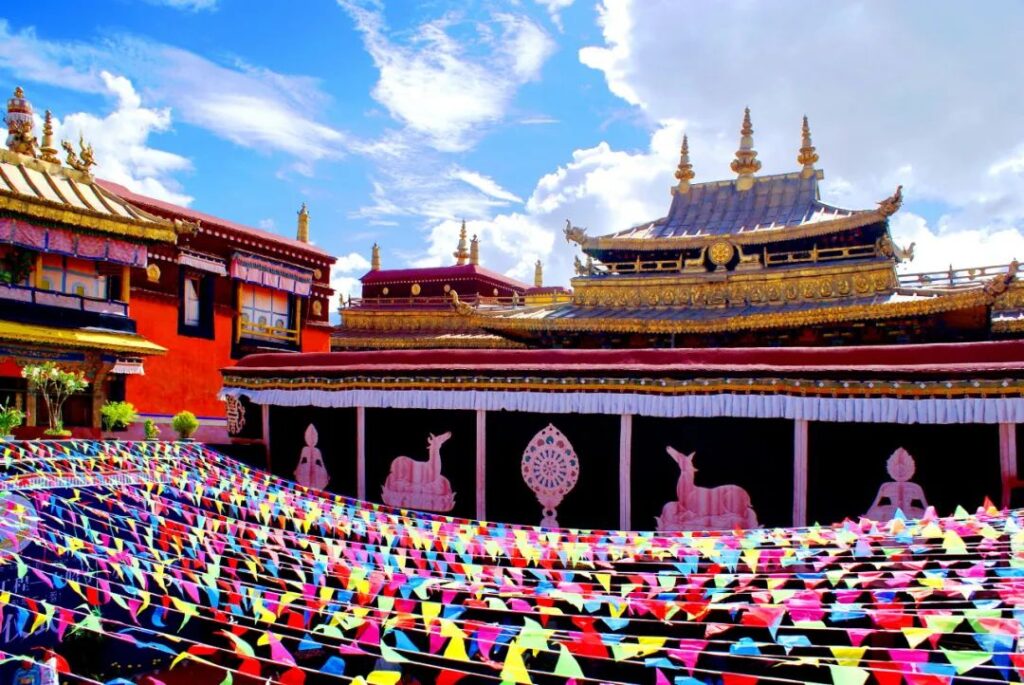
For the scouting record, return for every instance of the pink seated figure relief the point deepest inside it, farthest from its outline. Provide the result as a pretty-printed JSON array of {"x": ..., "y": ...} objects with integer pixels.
[
  {"x": 899, "y": 493},
  {"x": 310, "y": 470},
  {"x": 723, "y": 508},
  {"x": 416, "y": 484}
]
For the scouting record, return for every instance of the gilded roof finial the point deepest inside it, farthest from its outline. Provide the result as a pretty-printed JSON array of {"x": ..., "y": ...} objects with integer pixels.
[
  {"x": 538, "y": 275},
  {"x": 808, "y": 156},
  {"x": 474, "y": 250},
  {"x": 461, "y": 253},
  {"x": 20, "y": 138},
  {"x": 684, "y": 172},
  {"x": 49, "y": 152},
  {"x": 746, "y": 164},
  {"x": 302, "y": 233},
  {"x": 375, "y": 258}
]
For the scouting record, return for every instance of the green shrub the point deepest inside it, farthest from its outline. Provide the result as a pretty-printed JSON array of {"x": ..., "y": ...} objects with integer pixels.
[
  {"x": 152, "y": 432},
  {"x": 184, "y": 424},
  {"x": 117, "y": 416},
  {"x": 10, "y": 418}
]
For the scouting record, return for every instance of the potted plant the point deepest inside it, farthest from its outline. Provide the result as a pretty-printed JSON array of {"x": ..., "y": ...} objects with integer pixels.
[
  {"x": 185, "y": 424},
  {"x": 55, "y": 385},
  {"x": 118, "y": 416},
  {"x": 10, "y": 418},
  {"x": 151, "y": 430}
]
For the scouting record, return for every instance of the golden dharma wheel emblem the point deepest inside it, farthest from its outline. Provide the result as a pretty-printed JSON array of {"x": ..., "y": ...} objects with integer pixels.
[
  {"x": 415, "y": 289},
  {"x": 153, "y": 273},
  {"x": 318, "y": 308},
  {"x": 317, "y": 273},
  {"x": 384, "y": 290},
  {"x": 721, "y": 253},
  {"x": 447, "y": 288}
]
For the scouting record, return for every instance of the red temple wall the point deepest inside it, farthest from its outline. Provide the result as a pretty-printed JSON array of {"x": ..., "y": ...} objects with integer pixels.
[
  {"x": 316, "y": 339},
  {"x": 188, "y": 376}
]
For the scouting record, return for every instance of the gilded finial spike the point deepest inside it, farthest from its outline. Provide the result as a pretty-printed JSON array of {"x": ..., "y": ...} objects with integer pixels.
[
  {"x": 461, "y": 253},
  {"x": 474, "y": 250},
  {"x": 684, "y": 172},
  {"x": 47, "y": 149},
  {"x": 538, "y": 275},
  {"x": 302, "y": 232},
  {"x": 375, "y": 258},
  {"x": 808, "y": 156},
  {"x": 746, "y": 164}
]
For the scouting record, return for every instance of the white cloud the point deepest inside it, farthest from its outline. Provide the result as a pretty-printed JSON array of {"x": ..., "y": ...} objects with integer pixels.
[
  {"x": 186, "y": 5},
  {"x": 250, "y": 106},
  {"x": 445, "y": 89},
  {"x": 267, "y": 224},
  {"x": 120, "y": 140},
  {"x": 345, "y": 278},
  {"x": 485, "y": 184},
  {"x": 554, "y": 8},
  {"x": 892, "y": 98}
]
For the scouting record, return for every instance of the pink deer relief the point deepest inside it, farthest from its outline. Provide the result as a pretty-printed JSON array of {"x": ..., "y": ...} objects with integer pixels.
[
  {"x": 697, "y": 508},
  {"x": 419, "y": 484}
]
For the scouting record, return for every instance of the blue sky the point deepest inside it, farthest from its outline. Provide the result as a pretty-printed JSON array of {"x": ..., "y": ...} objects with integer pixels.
[{"x": 395, "y": 120}]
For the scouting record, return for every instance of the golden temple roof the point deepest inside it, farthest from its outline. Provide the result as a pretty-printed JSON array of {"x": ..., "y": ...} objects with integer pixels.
[{"x": 78, "y": 338}]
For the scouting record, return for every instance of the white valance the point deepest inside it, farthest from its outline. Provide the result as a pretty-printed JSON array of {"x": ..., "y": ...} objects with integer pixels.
[{"x": 847, "y": 410}]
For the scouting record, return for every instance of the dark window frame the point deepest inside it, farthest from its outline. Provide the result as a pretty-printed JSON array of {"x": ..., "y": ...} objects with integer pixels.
[{"x": 204, "y": 329}]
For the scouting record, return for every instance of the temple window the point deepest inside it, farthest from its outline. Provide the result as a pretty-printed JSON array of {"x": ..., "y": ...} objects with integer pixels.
[
  {"x": 71, "y": 276},
  {"x": 195, "y": 306},
  {"x": 265, "y": 313}
]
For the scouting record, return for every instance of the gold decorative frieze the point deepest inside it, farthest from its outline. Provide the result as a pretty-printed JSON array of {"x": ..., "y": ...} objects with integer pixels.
[
  {"x": 391, "y": 320},
  {"x": 737, "y": 289}
]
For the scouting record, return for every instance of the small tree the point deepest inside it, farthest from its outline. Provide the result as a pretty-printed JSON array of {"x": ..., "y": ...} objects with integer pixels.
[
  {"x": 118, "y": 416},
  {"x": 10, "y": 418},
  {"x": 55, "y": 385}
]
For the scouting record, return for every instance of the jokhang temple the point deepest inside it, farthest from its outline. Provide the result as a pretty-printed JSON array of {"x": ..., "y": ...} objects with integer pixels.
[{"x": 497, "y": 482}]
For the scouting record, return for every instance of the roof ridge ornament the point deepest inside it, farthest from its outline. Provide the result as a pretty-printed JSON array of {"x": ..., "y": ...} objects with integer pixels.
[
  {"x": 574, "y": 234},
  {"x": 461, "y": 253},
  {"x": 20, "y": 138},
  {"x": 375, "y": 258},
  {"x": 474, "y": 250},
  {"x": 84, "y": 160},
  {"x": 49, "y": 152},
  {"x": 684, "y": 172},
  {"x": 891, "y": 204},
  {"x": 302, "y": 232},
  {"x": 808, "y": 155},
  {"x": 746, "y": 163}
]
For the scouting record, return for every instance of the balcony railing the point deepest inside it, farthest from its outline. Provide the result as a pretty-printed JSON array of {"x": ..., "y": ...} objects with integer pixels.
[
  {"x": 50, "y": 298},
  {"x": 261, "y": 331},
  {"x": 953, "y": 279}
]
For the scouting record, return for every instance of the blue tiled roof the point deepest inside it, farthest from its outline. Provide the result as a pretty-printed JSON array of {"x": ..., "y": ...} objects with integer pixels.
[{"x": 775, "y": 202}]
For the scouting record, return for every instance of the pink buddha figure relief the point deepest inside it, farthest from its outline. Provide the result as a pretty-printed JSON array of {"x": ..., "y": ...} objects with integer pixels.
[
  {"x": 417, "y": 484},
  {"x": 695, "y": 508},
  {"x": 899, "y": 493},
  {"x": 310, "y": 470}
]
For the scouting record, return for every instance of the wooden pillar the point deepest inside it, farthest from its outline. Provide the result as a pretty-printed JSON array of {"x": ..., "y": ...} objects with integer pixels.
[
  {"x": 361, "y": 452},
  {"x": 238, "y": 311},
  {"x": 126, "y": 284},
  {"x": 625, "y": 466},
  {"x": 31, "y": 409},
  {"x": 265, "y": 416},
  {"x": 1008, "y": 459},
  {"x": 37, "y": 277},
  {"x": 800, "y": 472},
  {"x": 481, "y": 464}
]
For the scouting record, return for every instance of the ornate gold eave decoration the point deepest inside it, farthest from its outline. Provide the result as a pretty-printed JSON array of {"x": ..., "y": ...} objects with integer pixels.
[
  {"x": 160, "y": 230},
  {"x": 747, "y": 322},
  {"x": 441, "y": 341},
  {"x": 757, "y": 237}
]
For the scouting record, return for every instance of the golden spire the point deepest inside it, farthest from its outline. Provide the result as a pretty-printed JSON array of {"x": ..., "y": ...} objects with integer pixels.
[
  {"x": 302, "y": 234},
  {"x": 461, "y": 253},
  {"x": 49, "y": 152},
  {"x": 474, "y": 250},
  {"x": 684, "y": 172},
  {"x": 538, "y": 275},
  {"x": 746, "y": 164},
  {"x": 807, "y": 156},
  {"x": 375, "y": 258}
]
